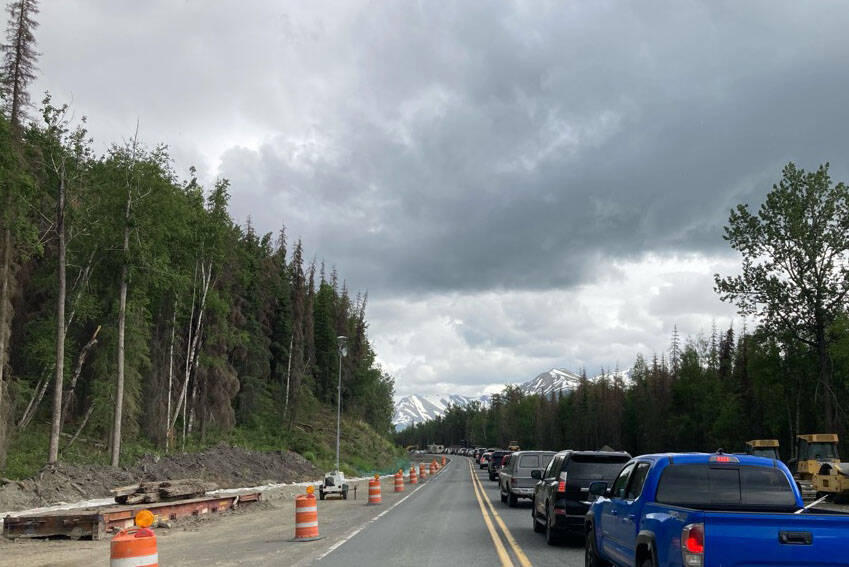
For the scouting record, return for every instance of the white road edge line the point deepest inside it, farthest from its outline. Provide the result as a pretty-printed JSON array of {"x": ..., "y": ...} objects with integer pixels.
[{"x": 347, "y": 538}]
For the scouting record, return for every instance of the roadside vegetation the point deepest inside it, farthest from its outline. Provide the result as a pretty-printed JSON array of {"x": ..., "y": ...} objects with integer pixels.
[
  {"x": 137, "y": 316},
  {"x": 788, "y": 375}
]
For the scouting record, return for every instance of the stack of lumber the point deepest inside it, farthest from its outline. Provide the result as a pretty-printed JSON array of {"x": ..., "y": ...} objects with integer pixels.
[{"x": 161, "y": 491}]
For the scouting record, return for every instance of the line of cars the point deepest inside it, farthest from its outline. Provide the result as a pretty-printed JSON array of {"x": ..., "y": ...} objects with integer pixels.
[{"x": 677, "y": 509}]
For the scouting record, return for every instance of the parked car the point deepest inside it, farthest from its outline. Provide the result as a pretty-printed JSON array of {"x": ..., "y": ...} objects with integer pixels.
[
  {"x": 515, "y": 479},
  {"x": 484, "y": 460},
  {"x": 561, "y": 495},
  {"x": 707, "y": 510},
  {"x": 495, "y": 463}
]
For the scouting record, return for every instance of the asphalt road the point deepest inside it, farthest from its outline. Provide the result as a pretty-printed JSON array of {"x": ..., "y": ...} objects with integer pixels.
[{"x": 448, "y": 521}]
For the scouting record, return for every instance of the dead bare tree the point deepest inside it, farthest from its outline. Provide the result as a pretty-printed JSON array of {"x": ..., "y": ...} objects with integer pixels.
[
  {"x": 69, "y": 394},
  {"x": 195, "y": 328},
  {"x": 80, "y": 284},
  {"x": 66, "y": 156},
  {"x": 122, "y": 306},
  {"x": 82, "y": 425},
  {"x": 170, "y": 375}
]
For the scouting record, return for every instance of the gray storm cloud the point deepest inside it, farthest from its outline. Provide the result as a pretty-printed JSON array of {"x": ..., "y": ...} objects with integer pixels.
[
  {"x": 438, "y": 148},
  {"x": 518, "y": 148}
]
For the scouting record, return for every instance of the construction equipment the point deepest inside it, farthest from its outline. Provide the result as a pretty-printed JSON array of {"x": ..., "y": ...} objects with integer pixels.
[
  {"x": 334, "y": 483},
  {"x": 763, "y": 448},
  {"x": 818, "y": 465}
]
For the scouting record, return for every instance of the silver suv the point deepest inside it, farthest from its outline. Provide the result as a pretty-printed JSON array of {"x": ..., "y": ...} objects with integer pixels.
[{"x": 516, "y": 481}]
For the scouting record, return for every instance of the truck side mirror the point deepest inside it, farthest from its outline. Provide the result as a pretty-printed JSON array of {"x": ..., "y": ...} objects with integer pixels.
[
  {"x": 598, "y": 488},
  {"x": 536, "y": 474}
]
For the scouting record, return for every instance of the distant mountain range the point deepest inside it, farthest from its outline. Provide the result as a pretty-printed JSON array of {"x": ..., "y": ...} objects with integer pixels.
[{"x": 414, "y": 409}]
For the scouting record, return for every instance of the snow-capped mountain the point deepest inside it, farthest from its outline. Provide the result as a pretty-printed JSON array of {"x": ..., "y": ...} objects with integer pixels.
[
  {"x": 555, "y": 380},
  {"x": 560, "y": 380},
  {"x": 418, "y": 409}
]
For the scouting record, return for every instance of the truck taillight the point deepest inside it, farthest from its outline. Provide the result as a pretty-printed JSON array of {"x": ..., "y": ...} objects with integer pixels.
[
  {"x": 693, "y": 545},
  {"x": 561, "y": 486}
]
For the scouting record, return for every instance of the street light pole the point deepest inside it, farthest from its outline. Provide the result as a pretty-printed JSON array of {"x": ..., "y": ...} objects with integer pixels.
[{"x": 342, "y": 351}]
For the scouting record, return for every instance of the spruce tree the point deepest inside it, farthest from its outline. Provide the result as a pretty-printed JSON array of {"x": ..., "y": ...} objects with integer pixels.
[{"x": 19, "y": 67}]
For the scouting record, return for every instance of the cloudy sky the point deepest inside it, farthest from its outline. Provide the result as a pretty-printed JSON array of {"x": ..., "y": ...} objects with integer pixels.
[{"x": 518, "y": 185}]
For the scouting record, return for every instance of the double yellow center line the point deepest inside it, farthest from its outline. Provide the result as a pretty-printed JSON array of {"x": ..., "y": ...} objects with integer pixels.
[{"x": 500, "y": 548}]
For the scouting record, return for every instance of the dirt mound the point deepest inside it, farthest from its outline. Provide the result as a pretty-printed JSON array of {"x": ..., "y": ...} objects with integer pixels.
[{"x": 228, "y": 467}]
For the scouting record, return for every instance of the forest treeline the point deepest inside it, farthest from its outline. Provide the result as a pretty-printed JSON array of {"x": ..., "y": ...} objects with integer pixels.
[
  {"x": 721, "y": 391},
  {"x": 789, "y": 375},
  {"x": 133, "y": 306}
]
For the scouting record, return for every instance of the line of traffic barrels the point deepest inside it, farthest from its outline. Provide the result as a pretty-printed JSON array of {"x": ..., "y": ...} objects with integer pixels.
[{"x": 306, "y": 507}]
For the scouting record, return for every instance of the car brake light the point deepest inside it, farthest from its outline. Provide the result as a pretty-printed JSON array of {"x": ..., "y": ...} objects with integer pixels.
[
  {"x": 561, "y": 486},
  {"x": 693, "y": 548},
  {"x": 720, "y": 458}
]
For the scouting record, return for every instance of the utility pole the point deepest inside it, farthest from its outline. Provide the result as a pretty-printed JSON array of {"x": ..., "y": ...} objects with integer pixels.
[{"x": 342, "y": 352}]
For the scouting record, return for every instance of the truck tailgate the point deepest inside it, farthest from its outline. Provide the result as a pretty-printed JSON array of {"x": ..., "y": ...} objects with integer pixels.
[{"x": 763, "y": 540}]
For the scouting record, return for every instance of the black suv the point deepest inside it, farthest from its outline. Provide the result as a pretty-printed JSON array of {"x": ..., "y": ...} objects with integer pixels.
[
  {"x": 561, "y": 494},
  {"x": 495, "y": 463}
]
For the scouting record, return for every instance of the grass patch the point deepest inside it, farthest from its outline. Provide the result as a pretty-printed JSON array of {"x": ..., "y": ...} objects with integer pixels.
[{"x": 363, "y": 451}]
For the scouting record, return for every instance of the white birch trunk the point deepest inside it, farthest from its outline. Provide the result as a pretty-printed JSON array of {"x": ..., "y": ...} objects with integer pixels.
[
  {"x": 53, "y": 453},
  {"x": 170, "y": 377}
]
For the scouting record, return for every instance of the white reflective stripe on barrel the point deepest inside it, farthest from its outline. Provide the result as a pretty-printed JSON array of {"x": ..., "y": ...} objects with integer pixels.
[
  {"x": 140, "y": 561},
  {"x": 307, "y": 525},
  {"x": 307, "y": 508}
]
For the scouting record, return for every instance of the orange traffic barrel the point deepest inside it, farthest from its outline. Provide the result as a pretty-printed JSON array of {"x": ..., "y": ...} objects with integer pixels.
[
  {"x": 399, "y": 481},
  {"x": 134, "y": 547},
  {"x": 422, "y": 471},
  {"x": 374, "y": 491},
  {"x": 306, "y": 518},
  {"x": 444, "y": 461},
  {"x": 414, "y": 478}
]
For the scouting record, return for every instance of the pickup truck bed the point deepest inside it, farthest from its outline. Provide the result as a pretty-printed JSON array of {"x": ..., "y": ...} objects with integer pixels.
[{"x": 743, "y": 539}]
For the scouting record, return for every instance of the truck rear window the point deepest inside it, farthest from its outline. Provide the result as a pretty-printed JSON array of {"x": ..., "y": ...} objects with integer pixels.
[
  {"x": 729, "y": 488},
  {"x": 601, "y": 467}
]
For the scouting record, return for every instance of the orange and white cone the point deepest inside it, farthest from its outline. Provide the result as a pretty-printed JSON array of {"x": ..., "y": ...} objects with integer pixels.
[
  {"x": 136, "y": 546},
  {"x": 414, "y": 478},
  {"x": 374, "y": 491},
  {"x": 306, "y": 517},
  {"x": 399, "y": 481}
]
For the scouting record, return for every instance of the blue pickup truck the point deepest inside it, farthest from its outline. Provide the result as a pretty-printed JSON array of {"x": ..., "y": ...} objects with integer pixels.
[{"x": 709, "y": 510}]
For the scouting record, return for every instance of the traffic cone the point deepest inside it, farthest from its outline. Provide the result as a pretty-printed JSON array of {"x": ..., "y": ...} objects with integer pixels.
[
  {"x": 306, "y": 516},
  {"x": 135, "y": 546},
  {"x": 399, "y": 481},
  {"x": 444, "y": 460},
  {"x": 414, "y": 478},
  {"x": 374, "y": 491},
  {"x": 422, "y": 471}
]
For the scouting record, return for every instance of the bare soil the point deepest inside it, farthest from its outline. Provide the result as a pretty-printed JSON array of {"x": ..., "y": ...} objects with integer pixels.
[{"x": 228, "y": 467}]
